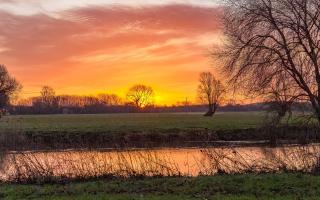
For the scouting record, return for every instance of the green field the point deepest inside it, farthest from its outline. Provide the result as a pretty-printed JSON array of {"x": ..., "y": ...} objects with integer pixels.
[
  {"x": 143, "y": 122},
  {"x": 224, "y": 187}
]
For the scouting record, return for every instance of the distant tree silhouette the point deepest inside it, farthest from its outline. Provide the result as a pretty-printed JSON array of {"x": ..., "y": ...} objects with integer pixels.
[
  {"x": 140, "y": 96},
  {"x": 281, "y": 95},
  {"x": 110, "y": 99},
  {"x": 210, "y": 91},
  {"x": 8, "y": 86},
  {"x": 47, "y": 102},
  {"x": 48, "y": 96}
]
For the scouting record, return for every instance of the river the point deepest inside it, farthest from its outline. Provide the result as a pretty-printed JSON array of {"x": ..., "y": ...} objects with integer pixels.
[{"x": 157, "y": 162}]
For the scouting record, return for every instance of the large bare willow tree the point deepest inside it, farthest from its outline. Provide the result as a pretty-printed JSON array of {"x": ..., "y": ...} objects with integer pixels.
[
  {"x": 210, "y": 91},
  {"x": 270, "y": 39}
]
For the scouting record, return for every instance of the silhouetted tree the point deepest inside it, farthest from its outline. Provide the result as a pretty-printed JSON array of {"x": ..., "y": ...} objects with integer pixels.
[
  {"x": 47, "y": 102},
  {"x": 48, "y": 96},
  {"x": 110, "y": 99},
  {"x": 281, "y": 95},
  {"x": 210, "y": 91},
  {"x": 8, "y": 86},
  {"x": 266, "y": 38},
  {"x": 141, "y": 96}
]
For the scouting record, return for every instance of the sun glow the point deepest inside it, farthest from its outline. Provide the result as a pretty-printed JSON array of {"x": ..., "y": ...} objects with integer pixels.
[{"x": 87, "y": 50}]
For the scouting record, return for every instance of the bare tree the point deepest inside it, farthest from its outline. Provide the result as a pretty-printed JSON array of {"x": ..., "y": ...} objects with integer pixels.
[
  {"x": 281, "y": 95},
  {"x": 110, "y": 99},
  {"x": 48, "y": 96},
  {"x": 266, "y": 38},
  {"x": 141, "y": 96},
  {"x": 210, "y": 91},
  {"x": 8, "y": 86}
]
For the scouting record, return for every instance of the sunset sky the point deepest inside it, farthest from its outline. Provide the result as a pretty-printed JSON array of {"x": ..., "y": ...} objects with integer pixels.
[{"x": 106, "y": 46}]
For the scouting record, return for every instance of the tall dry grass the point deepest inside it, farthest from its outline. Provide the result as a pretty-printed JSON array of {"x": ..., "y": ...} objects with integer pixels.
[
  {"x": 79, "y": 165},
  {"x": 305, "y": 159},
  {"x": 60, "y": 166}
]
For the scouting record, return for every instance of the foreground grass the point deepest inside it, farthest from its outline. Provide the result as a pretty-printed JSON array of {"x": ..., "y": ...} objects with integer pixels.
[
  {"x": 115, "y": 123},
  {"x": 228, "y": 187}
]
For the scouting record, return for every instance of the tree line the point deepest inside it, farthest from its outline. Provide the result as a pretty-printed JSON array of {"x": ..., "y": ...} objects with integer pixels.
[{"x": 138, "y": 98}]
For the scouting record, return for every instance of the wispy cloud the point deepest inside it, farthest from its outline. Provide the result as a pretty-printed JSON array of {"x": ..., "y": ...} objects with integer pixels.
[
  {"x": 91, "y": 49},
  {"x": 31, "y": 7}
]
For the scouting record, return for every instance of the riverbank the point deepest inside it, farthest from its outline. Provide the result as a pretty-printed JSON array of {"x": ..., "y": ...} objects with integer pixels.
[
  {"x": 170, "y": 138},
  {"x": 60, "y": 132},
  {"x": 229, "y": 187}
]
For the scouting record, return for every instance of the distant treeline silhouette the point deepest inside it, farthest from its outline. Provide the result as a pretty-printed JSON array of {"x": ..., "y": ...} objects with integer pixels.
[
  {"x": 107, "y": 103},
  {"x": 100, "y": 109}
]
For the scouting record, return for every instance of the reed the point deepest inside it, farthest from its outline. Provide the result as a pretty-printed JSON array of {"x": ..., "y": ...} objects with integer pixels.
[
  {"x": 66, "y": 166},
  {"x": 63, "y": 166},
  {"x": 303, "y": 159}
]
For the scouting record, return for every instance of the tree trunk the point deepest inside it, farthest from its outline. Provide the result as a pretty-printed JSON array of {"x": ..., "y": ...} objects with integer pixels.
[
  {"x": 318, "y": 115},
  {"x": 212, "y": 109},
  {"x": 282, "y": 111},
  {"x": 215, "y": 107},
  {"x": 316, "y": 106}
]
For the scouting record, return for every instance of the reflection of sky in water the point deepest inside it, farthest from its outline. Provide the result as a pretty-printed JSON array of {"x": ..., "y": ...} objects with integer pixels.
[{"x": 190, "y": 162}]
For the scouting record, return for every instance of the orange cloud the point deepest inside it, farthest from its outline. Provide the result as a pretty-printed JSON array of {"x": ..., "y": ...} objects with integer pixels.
[{"x": 91, "y": 50}]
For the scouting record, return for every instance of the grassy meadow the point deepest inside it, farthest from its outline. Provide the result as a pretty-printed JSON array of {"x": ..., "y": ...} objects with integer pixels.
[
  {"x": 223, "y": 187},
  {"x": 143, "y": 122},
  {"x": 137, "y": 130}
]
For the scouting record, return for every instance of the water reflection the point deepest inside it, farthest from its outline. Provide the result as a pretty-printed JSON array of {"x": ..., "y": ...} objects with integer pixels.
[{"x": 163, "y": 162}]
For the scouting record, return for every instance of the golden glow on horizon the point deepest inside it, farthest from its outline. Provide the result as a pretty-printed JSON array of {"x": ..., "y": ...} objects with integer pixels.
[{"x": 87, "y": 51}]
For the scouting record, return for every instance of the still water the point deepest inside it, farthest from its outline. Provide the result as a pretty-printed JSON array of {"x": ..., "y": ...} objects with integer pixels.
[{"x": 164, "y": 162}]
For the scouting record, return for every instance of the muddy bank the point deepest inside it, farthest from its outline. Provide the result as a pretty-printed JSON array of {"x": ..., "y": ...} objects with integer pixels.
[{"x": 157, "y": 138}]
